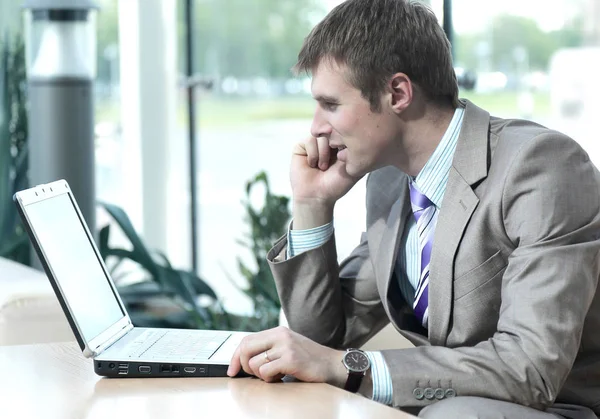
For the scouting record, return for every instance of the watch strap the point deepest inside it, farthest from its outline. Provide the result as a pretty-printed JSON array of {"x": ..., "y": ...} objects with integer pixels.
[{"x": 353, "y": 382}]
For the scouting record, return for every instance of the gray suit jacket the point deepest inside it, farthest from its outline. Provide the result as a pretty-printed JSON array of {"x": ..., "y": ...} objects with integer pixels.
[{"x": 514, "y": 309}]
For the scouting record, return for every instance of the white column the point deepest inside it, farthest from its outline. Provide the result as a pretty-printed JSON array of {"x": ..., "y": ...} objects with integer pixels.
[{"x": 147, "y": 31}]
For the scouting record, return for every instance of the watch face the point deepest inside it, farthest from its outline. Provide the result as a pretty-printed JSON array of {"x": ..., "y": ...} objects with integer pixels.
[{"x": 356, "y": 361}]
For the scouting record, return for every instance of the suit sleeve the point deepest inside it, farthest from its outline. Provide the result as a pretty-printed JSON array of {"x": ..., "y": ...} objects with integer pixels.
[
  {"x": 300, "y": 241},
  {"x": 550, "y": 207},
  {"x": 335, "y": 305}
]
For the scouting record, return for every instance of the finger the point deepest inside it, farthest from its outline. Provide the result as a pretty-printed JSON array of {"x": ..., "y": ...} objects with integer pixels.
[
  {"x": 255, "y": 362},
  {"x": 234, "y": 364},
  {"x": 259, "y": 360},
  {"x": 324, "y": 152},
  {"x": 273, "y": 371},
  {"x": 299, "y": 149},
  {"x": 312, "y": 151},
  {"x": 251, "y": 346}
]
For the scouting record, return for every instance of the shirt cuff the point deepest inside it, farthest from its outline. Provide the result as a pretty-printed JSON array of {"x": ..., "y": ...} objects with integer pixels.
[
  {"x": 382, "y": 380},
  {"x": 300, "y": 241}
]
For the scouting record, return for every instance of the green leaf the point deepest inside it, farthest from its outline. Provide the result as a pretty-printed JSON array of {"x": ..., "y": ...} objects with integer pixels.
[
  {"x": 139, "y": 253},
  {"x": 198, "y": 285},
  {"x": 142, "y": 291},
  {"x": 124, "y": 254},
  {"x": 103, "y": 241},
  {"x": 180, "y": 286},
  {"x": 163, "y": 258},
  {"x": 266, "y": 225}
]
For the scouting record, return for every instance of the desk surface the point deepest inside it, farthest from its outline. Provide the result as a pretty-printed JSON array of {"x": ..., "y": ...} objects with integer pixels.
[{"x": 55, "y": 381}]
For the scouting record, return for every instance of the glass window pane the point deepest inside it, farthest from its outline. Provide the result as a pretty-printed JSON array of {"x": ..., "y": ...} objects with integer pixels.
[{"x": 533, "y": 61}]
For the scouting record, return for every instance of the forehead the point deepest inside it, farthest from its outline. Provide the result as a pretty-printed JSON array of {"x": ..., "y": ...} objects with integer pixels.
[{"x": 331, "y": 79}]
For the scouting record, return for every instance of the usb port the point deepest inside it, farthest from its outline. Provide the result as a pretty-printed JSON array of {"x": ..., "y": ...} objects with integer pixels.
[
  {"x": 189, "y": 370},
  {"x": 123, "y": 372},
  {"x": 121, "y": 366}
]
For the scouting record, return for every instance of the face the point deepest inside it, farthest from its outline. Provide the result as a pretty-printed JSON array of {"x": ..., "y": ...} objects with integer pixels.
[{"x": 364, "y": 138}]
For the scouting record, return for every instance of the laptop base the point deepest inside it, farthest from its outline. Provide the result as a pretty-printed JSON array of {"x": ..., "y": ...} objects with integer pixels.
[{"x": 150, "y": 369}]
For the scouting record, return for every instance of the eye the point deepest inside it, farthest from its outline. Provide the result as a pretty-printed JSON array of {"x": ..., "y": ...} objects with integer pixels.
[{"x": 329, "y": 106}]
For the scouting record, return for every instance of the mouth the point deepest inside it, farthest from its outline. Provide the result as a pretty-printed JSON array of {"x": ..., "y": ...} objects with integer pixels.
[{"x": 339, "y": 147}]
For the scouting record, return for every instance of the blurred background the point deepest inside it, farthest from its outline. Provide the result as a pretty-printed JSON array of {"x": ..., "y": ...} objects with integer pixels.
[{"x": 516, "y": 58}]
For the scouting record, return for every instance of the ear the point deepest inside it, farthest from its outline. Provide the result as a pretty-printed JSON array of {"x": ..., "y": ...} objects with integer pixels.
[{"x": 401, "y": 90}]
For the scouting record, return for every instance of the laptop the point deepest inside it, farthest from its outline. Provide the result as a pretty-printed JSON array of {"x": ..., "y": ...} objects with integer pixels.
[{"x": 92, "y": 305}]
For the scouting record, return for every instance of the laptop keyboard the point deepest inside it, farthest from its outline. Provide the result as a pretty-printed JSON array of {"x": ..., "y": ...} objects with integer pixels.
[{"x": 174, "y": 345}]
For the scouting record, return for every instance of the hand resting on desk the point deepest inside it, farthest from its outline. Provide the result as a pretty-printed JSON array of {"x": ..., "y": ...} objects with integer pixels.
[{"x": 274, "y": 353}]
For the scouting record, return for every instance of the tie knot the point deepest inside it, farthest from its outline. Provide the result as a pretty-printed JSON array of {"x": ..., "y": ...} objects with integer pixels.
[{"x": 418, "y": 200}]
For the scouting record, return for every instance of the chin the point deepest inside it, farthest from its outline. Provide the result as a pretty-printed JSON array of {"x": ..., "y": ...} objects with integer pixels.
[{"x": 355, "y": 171}]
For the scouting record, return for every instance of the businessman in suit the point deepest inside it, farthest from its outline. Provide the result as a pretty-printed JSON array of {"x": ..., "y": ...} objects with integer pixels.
[{"x": 482, "y": 241}]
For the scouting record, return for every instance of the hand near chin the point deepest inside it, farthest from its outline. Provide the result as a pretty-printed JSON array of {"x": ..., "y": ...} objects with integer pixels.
[
  {"x": 274, "y": 353},
  {"x": 317, "y": 175}
]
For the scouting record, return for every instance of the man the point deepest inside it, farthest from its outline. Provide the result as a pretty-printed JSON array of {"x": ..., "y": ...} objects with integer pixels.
[{"x": 482, "y": 238}]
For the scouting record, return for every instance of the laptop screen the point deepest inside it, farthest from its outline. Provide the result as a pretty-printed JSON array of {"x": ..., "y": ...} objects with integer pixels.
[{"x": 76, "y": 268}]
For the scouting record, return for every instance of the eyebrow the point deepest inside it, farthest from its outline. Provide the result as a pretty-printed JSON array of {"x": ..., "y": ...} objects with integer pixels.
[{"x": 325, "y": 98}]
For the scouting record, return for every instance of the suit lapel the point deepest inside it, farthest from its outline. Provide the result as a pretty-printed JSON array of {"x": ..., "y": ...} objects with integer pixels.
[
  {"x": 390, "y": 237},
  {"x": 469, "y": 166}
]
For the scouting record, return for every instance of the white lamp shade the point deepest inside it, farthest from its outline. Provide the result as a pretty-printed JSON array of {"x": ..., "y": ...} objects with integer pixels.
[{"x": 57, "y": 49}]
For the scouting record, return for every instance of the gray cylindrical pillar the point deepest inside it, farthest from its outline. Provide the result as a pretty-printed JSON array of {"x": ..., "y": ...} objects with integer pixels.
[{"x": 61, "y": 137}]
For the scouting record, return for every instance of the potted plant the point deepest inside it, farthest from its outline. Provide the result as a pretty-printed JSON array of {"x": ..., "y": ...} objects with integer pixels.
[{"x": 170, "y": 297}]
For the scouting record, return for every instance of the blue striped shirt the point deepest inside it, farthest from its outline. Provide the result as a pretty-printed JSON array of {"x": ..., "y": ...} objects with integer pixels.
[{"x": 431, "y": 181}]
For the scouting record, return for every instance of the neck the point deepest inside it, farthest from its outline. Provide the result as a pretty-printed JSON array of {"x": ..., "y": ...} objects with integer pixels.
[{"x": 424, "y": 127}]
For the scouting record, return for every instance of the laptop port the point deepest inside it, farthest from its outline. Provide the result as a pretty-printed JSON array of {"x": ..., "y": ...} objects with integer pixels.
[
  {"x": 123, "y": 369},
  {"x": 175, "y": 369},
  {"x": 165, "y": 368},
  {"x": 145, "y": 369},
  {"x": 189, "y": 370}
]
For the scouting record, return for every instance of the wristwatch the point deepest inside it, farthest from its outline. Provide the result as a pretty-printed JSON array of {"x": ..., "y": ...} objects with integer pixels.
[{"x": 357, "y": 363}]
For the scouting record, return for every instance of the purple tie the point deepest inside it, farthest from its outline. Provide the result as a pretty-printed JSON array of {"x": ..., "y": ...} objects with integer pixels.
[{"x": 426, "y": 215}]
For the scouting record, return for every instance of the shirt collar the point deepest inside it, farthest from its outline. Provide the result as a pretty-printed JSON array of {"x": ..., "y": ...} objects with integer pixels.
[{"x": 432, "y": 179}]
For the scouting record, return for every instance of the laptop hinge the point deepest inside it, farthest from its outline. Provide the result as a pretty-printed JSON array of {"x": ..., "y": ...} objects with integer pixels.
[{"x": 110, "y": 341}]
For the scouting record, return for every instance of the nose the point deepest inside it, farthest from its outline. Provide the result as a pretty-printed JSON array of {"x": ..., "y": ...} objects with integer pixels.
[{"x": 320, "y": 126}]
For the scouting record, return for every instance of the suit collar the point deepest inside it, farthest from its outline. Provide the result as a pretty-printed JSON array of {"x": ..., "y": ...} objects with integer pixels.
[{"x": 471, "y": 155}]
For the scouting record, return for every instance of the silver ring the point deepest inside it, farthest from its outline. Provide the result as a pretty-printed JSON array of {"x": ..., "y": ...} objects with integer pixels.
[{"x": 267, "y": 357}]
